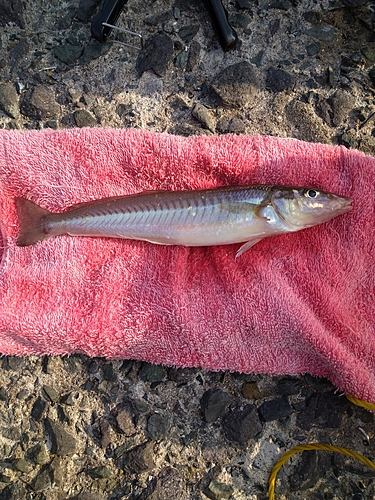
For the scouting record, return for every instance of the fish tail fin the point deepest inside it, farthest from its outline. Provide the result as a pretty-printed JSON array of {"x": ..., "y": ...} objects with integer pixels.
[{"x": 30, "y": 218}]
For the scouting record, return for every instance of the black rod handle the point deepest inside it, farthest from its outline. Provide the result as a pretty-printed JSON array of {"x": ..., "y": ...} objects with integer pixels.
[
  {"x": 109, "y": 13},
  {"x": 226, "y": 34}
]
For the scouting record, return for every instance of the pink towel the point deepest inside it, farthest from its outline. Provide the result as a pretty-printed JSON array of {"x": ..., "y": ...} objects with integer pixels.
[{"x": 296, "y": 303}]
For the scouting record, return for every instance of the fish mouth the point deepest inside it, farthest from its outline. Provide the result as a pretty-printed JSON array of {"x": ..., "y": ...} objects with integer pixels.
[{"x": 345, "y": 205}]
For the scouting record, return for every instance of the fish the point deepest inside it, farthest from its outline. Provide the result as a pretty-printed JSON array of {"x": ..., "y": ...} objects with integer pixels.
[{"x": 216, "y": 216}]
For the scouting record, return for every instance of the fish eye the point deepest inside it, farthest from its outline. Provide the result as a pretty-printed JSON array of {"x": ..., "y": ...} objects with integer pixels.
[{"x": 311, "y": 193}]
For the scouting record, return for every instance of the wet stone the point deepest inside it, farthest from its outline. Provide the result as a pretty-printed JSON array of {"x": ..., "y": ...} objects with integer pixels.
[
  {"x": 214, "y": 403},
  {"x": 156, "y": 55},
  {"x": 236, "y": 85},
  {"x": 275, "y": 409},
  {"x": 187, "y": 33},
  {"x": 204, "y": 116},
  {"x": 323, "y": 33},
  {"x": 67, "y": 53},
  {"x": 9, "y": 100},
  {"x": 63, "y": 443},
  {"x": 152, "y": 373},
  {"x": 278, "y": 80},
  {"x": 242, "y": 425},
  {"x": 158, "y": 426},
  {"x": 140, "y": 458},
  {"x": 84, "y": 119},
  {"x": 218, "y": 491},
  {"x": 160, "y": 488}
]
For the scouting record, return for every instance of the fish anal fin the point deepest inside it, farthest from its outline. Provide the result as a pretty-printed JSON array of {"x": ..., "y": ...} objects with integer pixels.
[{"x": 246, "y": 246}]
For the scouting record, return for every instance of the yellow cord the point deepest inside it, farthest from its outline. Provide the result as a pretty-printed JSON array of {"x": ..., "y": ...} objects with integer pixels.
[
  {"x": 314, "y": 446},
  {"x": 360, "y": 402},
  {"x": 318, "y": 446}
]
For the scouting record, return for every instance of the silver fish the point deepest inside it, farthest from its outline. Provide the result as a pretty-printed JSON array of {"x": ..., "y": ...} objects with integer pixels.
[{"x": 219, "y": 216}]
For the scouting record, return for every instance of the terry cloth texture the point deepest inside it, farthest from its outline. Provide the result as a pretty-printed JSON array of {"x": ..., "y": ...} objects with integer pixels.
[{"x": 295, "y": 303}]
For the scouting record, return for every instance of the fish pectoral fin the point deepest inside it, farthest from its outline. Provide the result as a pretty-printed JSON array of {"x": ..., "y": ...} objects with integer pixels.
[
  {"x": 253, "y": 241},
  {"x": 243, "y": 208}
]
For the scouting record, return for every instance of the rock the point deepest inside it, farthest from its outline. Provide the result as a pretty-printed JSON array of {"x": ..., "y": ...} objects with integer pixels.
[
  {"x": 308, "y": 126},
  {"x": 21, "y": 465},
  {"x": 236, "y": 85},
  {"x": 11, "y": 12},
  {"x": 84, "y": 119},
  {"x": 101, "y": 472},
  {"x": 310, "y": 469},
  {"x": 250, "y": 390},
  {"x": 258, "y": 59},
  {"x": 275, "y": 409},
  {"x": 140, "y": 458},
  {"x": 239, "y": 20},
  {"x": 369, "y": 53},
  {"x": 313, "y": 49},
  {"x": 38, "y": 454},
  {"x": 160, "y": 488},
  {"x": 11, "y": 433},
  {"x": 278, "y": 80},
  {"x": 152, "y": 373},
  {"x": 63, "y": 443},
  {"x": 43, "y": 480},
  {"x": 14, "y": 363},
  {"x": 214, "y": 403},
  {"x": 187, "y": 33},
  {"x": 9, "y": 100},
  {"x": 93, "y": 51},
  {"x": 322, "y": 410},
  {"x": 15, "y": 491},
  {"x": 218, "y": 491},
  {"x": 50, "y": 393},
  {"x": 18, "y": 54},
  {"x": 342, "y": 103},
  {"x": 371, "y": 75},
  {"x": 289, "y": 386},
  {"x": 40, "y": 103},
  {"x": 156, "y": 55},
  {"x": 204, "y": 116},
  {"x": 158, "y": 426},
  {"x": 193, "y": 55},
  {"x": 109, "y": 373},
  {"x": 67, "y": 53},
  {"x": 125, "y": 421},
  {"x": 181, "y": 59},
  {"x": 323, "y": 33},
  {"x": 158, "y": 19},
  {"x": 86, "y": 10},
  {"x": 242, "y": 425}
]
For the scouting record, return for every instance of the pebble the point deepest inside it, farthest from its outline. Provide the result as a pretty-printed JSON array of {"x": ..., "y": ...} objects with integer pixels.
[
  {"x": 323, "y": 33},
  {"x": 310, "y": 469},
  {"x": 250, "y": 390},
  {"x": 18, "y": 54},
  {"x": 83, "y": 118},
  {"x": 167, "y": 482},
  {"x": 43, "y": 480},
  {"x": 214, "y": 403},
  {"x": 125, "y": 421},
  {"x": 278, "y": 80},
  {"x": 342, "y": 103},
  {"x": 218, "y": 491},
  {"x": 204, "y": 116},
  {"x": 21, "y": 465},
  {"x": 93, "y": 51},
  {"x": 371, "y": 75},
  {"x": 109, "y": 373},
  {"x": 38, "y": 454},
  {"x": 158, "y": 426},
  {"x": 239, "y": 20},
  {"x": 156, "y": 55},
  {"x": 187, "y": 33},
  {"x": 236, "y": 85},
  {"x": 313, "y": 49},
  {"x": 289, "y": 386},
  {"x": 15, "y": 491},
  {"x": 14, "y": 363},
  {"x": 322, "y": 410},
  {"x": 152, "y": 373},
  {"x": 67, "y": 53},
  {"x": 39, "y": 103},
  {"x": 101, "y": 472},
  {"x": 140, "y": 458},
  {"x": 193, "y": 56},
  {"x": 62, "y": 442},
  {"x": 51, "y": 393},
  {"x": 242, "y": 425},
  {"x": 9, "y": 100},
  {"x": 274, "y": 409}
]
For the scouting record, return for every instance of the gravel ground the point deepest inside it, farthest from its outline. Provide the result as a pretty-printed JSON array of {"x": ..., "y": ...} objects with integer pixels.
[{"x": 94, "y": 429}]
